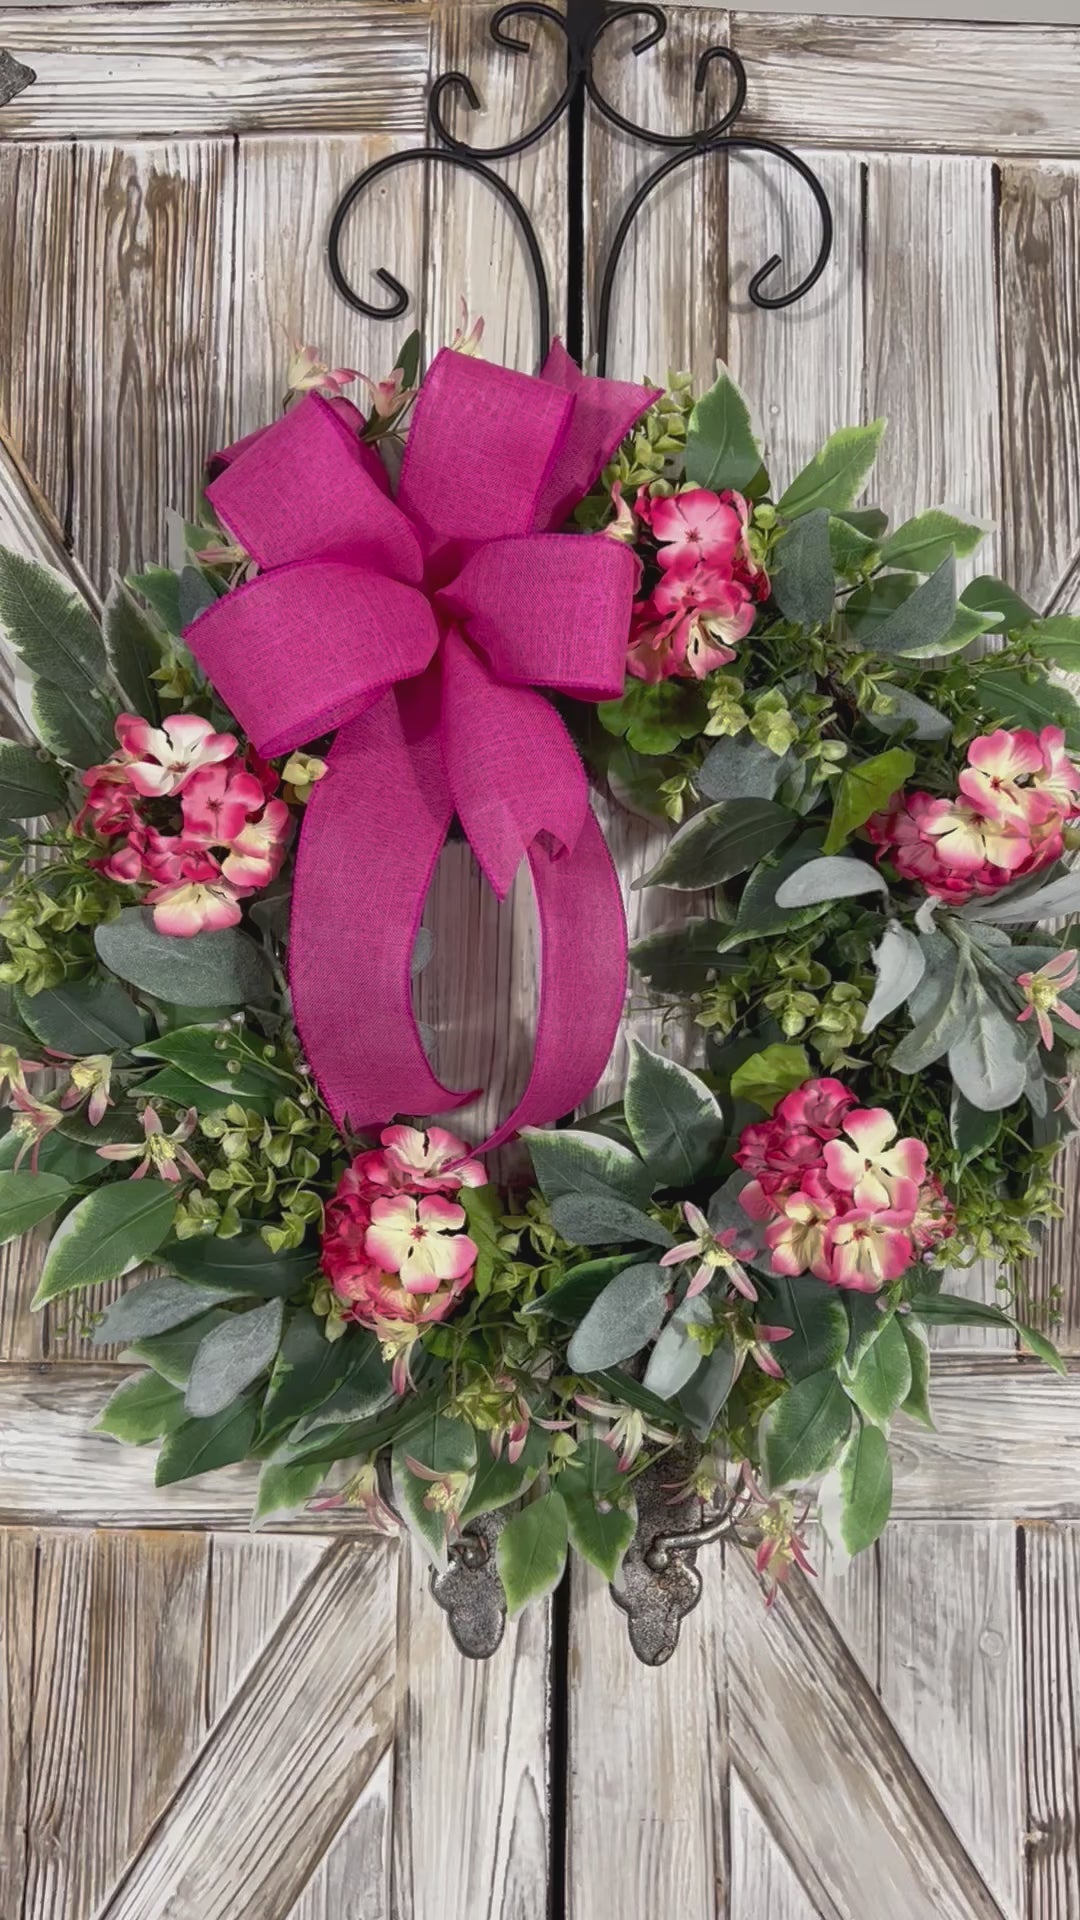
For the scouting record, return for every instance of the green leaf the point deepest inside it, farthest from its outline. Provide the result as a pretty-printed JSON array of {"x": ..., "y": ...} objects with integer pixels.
[
  {"x": 721, "y": 447},
  {"x": 172, "y": 1085},
  {"x": 195, "y": 594},
  {"x": 50, "y": 625},
  {"x": 865, "y": 1321},
  {"x": 741, "y": 769},
  {"x": 285, "y": 1486},
  {"x": 703, "y": 1398},
  {"x": 972, "y": 1129},
  {"x": 723, "y": 840},
  {"x": 677, "y": 1356},
  {"x": 243, "y": 1264},
  {"x": 232, "y": 1357},
  {"x": 155, "y": 1306},
  {"x": 654, "y": 717},
  {"x": 1041, "y": 1347},
  {"x": 112, "y": 1229},
  {"x": 311, "y": 1369},
  {"x": 30, "y": 787},
  {"x": 682, "y": 959},
  {"x": 28, "y": 1198},
  {"x": 921, "y": 544},
  {"x": 917, "y": 1403},
  {"x": 900, "y": 964},
  {"x": 194, "y": 1052},
  {"x": 69, "y": 727},
  {"x": 56, "y": 1154},
  {"x": 409, "y": 359},
  {"x": 767, "y": 1076},
  {"x": 1019, "y": 699},
  {"x": 1056, "y": 639},
  {"x": 160, "y": 588},
  {"x": 622, "y": 1388},
  {"x": 172, "y": 1354},
  {"x": 573, "y": 1161},
  {"x": 989, "y": 1057},
  {"x": 445, "y": 1446},
  {"x": 936, "y": 1007},
  {"x": 804, "y": 584},
  {"x": 865, "y": 789},
  {"x": 531, "y": 1551},
  {"x": 834, "y": 877},
  {"x": 571, "y": 1299},
  {"x": 483, "y": 1208},
  {"x": 224, "y": 969},
  {"x": 835, "y": 476},
  {"x": 818, "y": 1321},
  {"x": 907, "y": 710},
  {"x": 881, "y": 1381},
  {"x": 758, "y": 914},
  {"x": 1057, "y": 898},
  {"x": 803, "y": 1429},
  {"x": 141, "y": 1410},
  {"x": 602, "y": 1519},
  {"x": 955, "y": 1310},
  {"x": 134, "y": 651},
  {"x": 989, "y": 595},
  {"x": 201, "y": 1446},
  {"x": 674, "y": 1119},
  {"x": 591, "y": 1220},
  {"x": 621, "y": 1320},
  {"x": 852, "y": 550},
  {"x": 866, "y": 1483},
  {"x": 498, "y": 1480},
  {"x": 87, "y": 1016},
  {"x": 921, "y": 625}
]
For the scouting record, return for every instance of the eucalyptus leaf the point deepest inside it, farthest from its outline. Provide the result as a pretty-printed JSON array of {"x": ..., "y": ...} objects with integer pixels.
[
  {"x": 900, "y": 964},
  {"x": 835, "y": 476},
  {"x": 741, "y": 769},
  {"x": 232, "y": 1357},
  {"x": 833, "y": 877},
  {"x": 194, "y": 595},
  {"x": 591, "y": 1220},
  {"x": 572, "y": 1161},
  {"x": 919, "y": 626},
  {"x": 802, "y": 577},
  {"x": 224, "y": 969},
  {"x": 723, "y": 840},
  {"x": 908, "y": 711},
  {"x": 625, "y": 1317},
  {"x": 114, "y": 1228},
  {"x": 721, "y": 448},
  {"x": 172, "y": 1353},
  {"x": 674, "y": 1119},
  {"x": 155, "y": 1306}
]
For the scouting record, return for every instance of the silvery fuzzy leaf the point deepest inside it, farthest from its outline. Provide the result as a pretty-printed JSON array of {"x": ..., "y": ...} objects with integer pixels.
[
  {"x": 833, "y": 877},
  {"x": 989, "y": 1057},
  {"x": 900, "y": 963}
]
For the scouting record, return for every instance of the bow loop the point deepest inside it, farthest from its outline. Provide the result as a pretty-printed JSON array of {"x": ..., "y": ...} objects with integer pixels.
[{"x": 549, "y": 610}]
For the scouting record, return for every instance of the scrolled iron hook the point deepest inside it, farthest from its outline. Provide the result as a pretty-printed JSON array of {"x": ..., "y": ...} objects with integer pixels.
[
  {"x": 702, "y": 136},
  {"x": 400, "y": 301},
  {"x": 518, "y": 9}
]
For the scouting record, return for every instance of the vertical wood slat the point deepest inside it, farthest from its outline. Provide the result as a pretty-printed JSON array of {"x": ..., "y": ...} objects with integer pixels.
[
  {"x": 1051, "y": 1609},
  {"x": 152, "y": 393},
  {"x": 116, "y": 1712},
  {"x": 18, "y": 1556},
  {"x": 36, "y": 221},
  {"x": 763, "y": 1883}
]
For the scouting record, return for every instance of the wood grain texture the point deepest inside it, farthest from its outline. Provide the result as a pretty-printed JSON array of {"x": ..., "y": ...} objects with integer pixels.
[
  {"x": 977, "y": 88},
  {"x": 763, "y": 1882},
  {"x": 285, "y": 1762},
  {"x": 119, "y": 1639},
  {"x": 950, "y": 1680},
  {"x": 470, "y": 1812},
  {"x": 252, "y": 1583},
  {"x": 152, "y": 394},
  {"x": 36, "y": 223},
  {"x": 352, "y": 1880},
  {"x": 1050, "y": 1603},
  {"x": 647, "y": 1827},
  {"x": 193, "y": 68},
  {"x": 18, "y": 1573},
  {"x": 810, "y": 1739}
]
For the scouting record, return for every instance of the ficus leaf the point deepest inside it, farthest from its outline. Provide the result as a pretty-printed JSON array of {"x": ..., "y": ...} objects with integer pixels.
[
  {"x": 866, "y": 1483},
  {"x": 114, "y": 1228},
  {"x": 802, "y": 1430},
  {"x": 835, "y": 476},
  {"x": 531, "y": 1551}
]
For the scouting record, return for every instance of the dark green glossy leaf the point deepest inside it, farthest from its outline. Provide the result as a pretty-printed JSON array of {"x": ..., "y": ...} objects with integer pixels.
[
  {"x": 113, "y": 1228},
  {"x": 201, "y": 1446},
  {"x": 674, "y": 1118},
  {"x": 723, "y": 840},
  {"x": 83, "y": 1017},
  {"x": 803, "y": 1430},
  {"x": 28, "y": 1198}
]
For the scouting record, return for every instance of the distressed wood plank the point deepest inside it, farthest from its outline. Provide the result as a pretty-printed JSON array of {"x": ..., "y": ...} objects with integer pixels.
[
  {"x": 1050, "y": 1600},
  {"x": 472, "y": 1839},
  {"x": 289, "y": 1756},
  {"x": 1007, "y": 1442},
  {"x": 862, "y": 1830},
  {"x": 972, "y": 88},
  {"x": 117, "y": 1705},
  {"x": 352, "y": 1880},
  {"x": 191, "y": 68},
  {"x": 950, "y": 1680},
  {"x": 18, "y": 1574},
  {"x": 633, "y": 1730},
  {"x": 36, "y": 224},
  {"x": 850, "y": 1592},
  {"x": 253, "y": 1583},
  {"x": 153, "y": 294},
  {"x": 762, "y": 1880}
]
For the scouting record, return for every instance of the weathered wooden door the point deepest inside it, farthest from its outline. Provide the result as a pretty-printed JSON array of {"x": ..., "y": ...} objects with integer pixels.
[{"x": 198, "y": 1724}]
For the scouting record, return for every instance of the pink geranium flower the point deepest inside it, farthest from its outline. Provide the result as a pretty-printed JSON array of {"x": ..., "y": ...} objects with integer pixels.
[
  {"x": 431, "y": 1162},
  {"x": 202, "y": 901},
  {"x": 866, "y": 1249},
  {"x": 217, "y": 802},
  {"x": 693, "y": 527},
  {"x": 421, "y": 1241},
  {"x": 876, "y": 1167},
  {"x": 819, "y": 1105},
  {"x": 256, "y": 853},
  {"x": 797, "y": 1239},
  {"x": 999, "y": 770},
  {"x": 1059, "y": 777},
  {"x": 160, "y": 760},
  {"x": 1043, "y": 991}
]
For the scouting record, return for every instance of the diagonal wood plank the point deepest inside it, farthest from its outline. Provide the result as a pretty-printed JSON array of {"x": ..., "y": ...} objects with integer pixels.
[
  {"x": 285, "y": 1763},
  {"x": 763, "y": 1885},
  {"x": 827, "y": 1769}
]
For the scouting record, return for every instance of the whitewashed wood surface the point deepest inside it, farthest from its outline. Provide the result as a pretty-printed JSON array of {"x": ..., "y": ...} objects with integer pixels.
[{"x": 195, "y": 1722}]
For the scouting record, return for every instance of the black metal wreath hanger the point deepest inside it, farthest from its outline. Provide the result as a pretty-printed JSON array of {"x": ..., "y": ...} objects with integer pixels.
[{"x": 583, "y": 27}]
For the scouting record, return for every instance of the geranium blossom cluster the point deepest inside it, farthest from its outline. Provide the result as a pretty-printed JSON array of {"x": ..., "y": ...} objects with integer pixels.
[
  {"x": 708, "y": 588},
  {"x": 189, "y": 817},
  {"x": 1017, "y": 794},
  {"x": 393, "y": 1250},
  {"x": 840, "y": 1196}
]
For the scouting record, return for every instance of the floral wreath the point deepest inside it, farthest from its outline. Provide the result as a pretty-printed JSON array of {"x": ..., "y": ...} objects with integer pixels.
[{"x": 720, "y": 1286}]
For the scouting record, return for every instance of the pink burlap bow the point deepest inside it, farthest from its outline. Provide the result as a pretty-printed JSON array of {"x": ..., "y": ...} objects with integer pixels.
[{"x": 417, "y": 627}]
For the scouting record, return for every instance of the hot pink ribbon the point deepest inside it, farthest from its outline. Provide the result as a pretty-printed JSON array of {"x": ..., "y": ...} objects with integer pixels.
[{"x": 418, "y": 627}]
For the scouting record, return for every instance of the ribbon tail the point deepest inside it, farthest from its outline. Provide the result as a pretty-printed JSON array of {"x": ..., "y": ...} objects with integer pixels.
[
  {"x": 374, "y": 828},
  {"x": 582, "y": 994}
]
